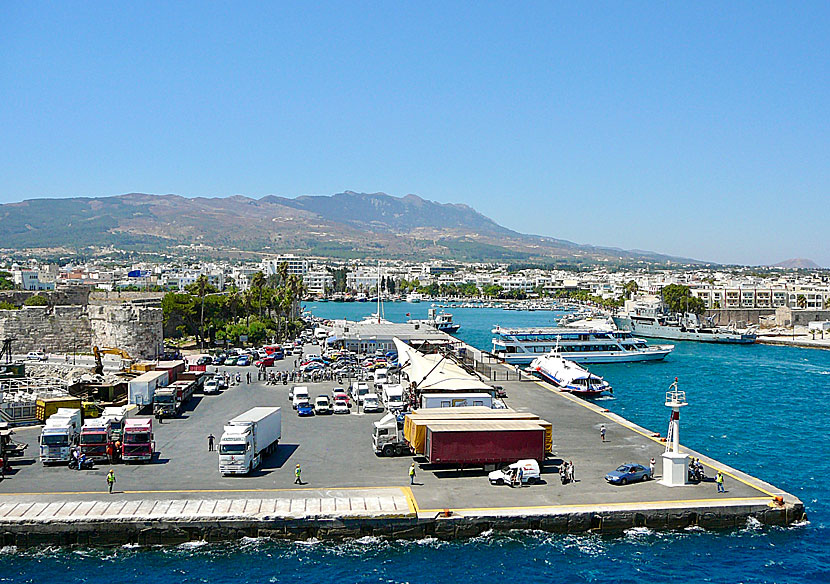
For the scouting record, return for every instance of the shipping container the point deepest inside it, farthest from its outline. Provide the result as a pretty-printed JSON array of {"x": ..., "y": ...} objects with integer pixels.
[
  {"x": 140, "y": 391},
  {"x": 416, "y": 422},
  {"x": 484, "y": 443}
]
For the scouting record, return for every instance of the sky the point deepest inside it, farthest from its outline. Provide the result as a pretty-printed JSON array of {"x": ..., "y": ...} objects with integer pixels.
[{"x": 695, "y": 129}]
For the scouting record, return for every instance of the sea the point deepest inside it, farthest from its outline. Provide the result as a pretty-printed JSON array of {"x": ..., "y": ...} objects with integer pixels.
[{"x": 762, "y": 409}]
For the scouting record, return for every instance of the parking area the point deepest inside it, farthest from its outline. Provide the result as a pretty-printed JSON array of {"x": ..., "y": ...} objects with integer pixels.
[{"x": 335, "y": 451}]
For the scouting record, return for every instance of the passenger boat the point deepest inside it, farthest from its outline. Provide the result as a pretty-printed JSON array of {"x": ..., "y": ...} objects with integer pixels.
[
  {"x": 568, "y": 376},
  {"x": 520, "y": 346},
  {"x": 439, "y": 320},
  {"x": 682, "y": 327}
]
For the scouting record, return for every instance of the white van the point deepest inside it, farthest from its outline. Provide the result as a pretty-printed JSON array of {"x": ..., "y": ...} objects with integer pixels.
[
  {"x": 508, "y": 474},
  {"x": 300, "y": 395},
  {"x": 357, "y": 391},
  {"x": 371, "y": 403},
  {"x": 393, "y": 397},
  {"x": 380, "y": 377}
]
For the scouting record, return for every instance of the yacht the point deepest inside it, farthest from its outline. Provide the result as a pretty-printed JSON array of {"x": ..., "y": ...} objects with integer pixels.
[
  {"x": 440, "y": 320},
  {"x": 520, "y": 346},
  {"x": 651, "y": 321},
  {"x": 568, "y": 376},
  {"x": 413, "y": 297}
]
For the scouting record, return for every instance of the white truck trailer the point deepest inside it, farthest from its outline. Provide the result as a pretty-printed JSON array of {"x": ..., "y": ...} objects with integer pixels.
[
  {"x": 248, "y": 438},
  {"x": 456, "y": 400}
]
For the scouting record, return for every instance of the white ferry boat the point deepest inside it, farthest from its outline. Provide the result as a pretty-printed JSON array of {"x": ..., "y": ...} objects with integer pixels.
[
  {"x": 520, "y": 346},
  {"x": 685, "y": 327},
  {"x": 568, "y": 376}
]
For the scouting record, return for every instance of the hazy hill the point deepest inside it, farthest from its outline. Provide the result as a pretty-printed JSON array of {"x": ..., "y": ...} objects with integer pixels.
[
  {"x": 346, "y": 224},
  {"x": 798, "y": 263}
]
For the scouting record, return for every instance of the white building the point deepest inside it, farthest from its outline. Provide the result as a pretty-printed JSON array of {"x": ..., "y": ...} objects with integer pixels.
[
  {"x": 317, "y": 281},
  {"x": 296, "y": 265}
]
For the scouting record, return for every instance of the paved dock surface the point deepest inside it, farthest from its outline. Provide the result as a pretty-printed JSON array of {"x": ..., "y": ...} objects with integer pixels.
[{"x": 335, "y": 454}]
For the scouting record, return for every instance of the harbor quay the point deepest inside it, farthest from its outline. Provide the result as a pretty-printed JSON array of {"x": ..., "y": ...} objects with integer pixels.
[{"x": 347, "y": 491}]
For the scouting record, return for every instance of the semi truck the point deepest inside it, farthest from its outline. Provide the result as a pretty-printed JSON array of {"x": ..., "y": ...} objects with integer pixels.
[
  {"x": 165, "y": 402},
  {"x": 455, "y": 400},
  {"x": 394, "y": 435},
  {"x": 484, "y": 443},
  {"x": 248, "y": 438},
  {"x": 96, "y": 436},
  {"x": 116, "y": 417},
  {"x": 60, "y": 435},
  {"x": 137, "y": 444}
]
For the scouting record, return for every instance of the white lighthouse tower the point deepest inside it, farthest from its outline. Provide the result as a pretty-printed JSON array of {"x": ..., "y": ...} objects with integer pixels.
[{"x": 675, "y": 464}]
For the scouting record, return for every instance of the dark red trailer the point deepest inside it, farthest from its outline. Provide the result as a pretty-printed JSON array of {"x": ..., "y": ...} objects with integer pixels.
[{"x": 484, "y": 442}]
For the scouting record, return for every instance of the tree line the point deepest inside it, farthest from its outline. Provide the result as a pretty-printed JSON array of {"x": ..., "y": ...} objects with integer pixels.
[{"x": 266, "y": 310}]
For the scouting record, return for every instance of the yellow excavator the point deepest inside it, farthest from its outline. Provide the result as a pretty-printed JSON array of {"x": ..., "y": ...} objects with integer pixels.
[{"x": 126, "y": 360}]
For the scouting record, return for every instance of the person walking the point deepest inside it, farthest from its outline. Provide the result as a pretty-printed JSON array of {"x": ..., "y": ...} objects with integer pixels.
[
  {"x": 109, "y": 452},
  {"x": 719, "y": 482},
  {"x": 412, "y": 474},
  {"x": 651, "y": 466},
  {"x": 602, "y": 432},
  {"x": 297, "y": 479},
  {"x": 110, "y": 480},
  {"x": 211, "y": 438},
  {"x": 571, "y": 478}
]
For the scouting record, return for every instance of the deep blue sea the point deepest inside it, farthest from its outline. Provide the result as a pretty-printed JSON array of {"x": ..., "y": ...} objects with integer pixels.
[{"x": 761, "y": 409}]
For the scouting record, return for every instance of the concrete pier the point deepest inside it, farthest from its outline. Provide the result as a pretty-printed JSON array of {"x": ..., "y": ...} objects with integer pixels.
[{"x": 350, "y": 492}]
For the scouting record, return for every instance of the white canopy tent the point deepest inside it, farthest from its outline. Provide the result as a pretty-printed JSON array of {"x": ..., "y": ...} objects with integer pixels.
[{"x": 435, "y": 373}]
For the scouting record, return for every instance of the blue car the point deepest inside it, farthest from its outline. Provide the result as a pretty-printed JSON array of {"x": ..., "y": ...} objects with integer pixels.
[
  {"x": 628, "y": 473},
  {"x": 304, "y": 408},
  {"x": 244, "y": 361}
]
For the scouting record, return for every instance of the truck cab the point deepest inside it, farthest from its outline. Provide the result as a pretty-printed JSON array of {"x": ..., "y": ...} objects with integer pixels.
[
  {"x": 236, "y": 450},
  {"x": 165, "y": 403},
  {"x": 387, "y": 436},
  {"x": 96, "y": 435},
  {"x": 59, "y": 435},
  {"x": 138, "y": 444}
]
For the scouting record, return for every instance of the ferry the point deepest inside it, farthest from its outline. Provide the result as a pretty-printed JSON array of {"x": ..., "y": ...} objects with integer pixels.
[
  {"x": 520, "y": 346},
  {"x": 568, "y": 376}
]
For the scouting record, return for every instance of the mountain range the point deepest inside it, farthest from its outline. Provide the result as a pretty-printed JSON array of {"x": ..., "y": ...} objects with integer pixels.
[{"x": 347, "y": 224}]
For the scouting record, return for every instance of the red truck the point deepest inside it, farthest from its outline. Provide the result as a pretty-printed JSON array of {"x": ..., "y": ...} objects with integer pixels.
[
  {"x": 138, "y": 442},
  {"x": 484, "y": 442}
]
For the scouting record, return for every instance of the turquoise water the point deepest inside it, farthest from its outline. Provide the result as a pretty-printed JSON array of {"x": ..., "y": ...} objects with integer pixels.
[{"x": 758, "y": 408}]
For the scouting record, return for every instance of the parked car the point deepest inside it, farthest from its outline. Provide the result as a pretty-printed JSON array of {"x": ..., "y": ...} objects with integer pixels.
[
  {"x": 628, "y": 473},
  {"x": 243, "y": 361},
  {"x": 339, "y": 394},
  {"x": 299, "y": 394},
  {"x": 36, "y": 356},
  {"x": 265, "y": 362},
  {"x": 322, "y": 405},
  {"x": 340, "y": 407},
  {"x": 507, "y": 475},
  {"x": 211, "y": 386},
  {"x": 304, "y": 408},
  {"x": 230, "y": 360},
  {"x": 219, "y": 360}
]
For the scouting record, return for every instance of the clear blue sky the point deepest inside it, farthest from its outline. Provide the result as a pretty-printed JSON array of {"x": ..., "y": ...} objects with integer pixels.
[{"x": 692, "y": 129}]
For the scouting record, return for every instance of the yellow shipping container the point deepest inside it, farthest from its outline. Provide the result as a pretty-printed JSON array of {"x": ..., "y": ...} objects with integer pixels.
[{"x": 46, "y": 406}]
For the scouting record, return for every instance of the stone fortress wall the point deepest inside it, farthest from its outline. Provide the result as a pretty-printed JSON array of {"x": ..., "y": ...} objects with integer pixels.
[{"x": 134, "y": 327}]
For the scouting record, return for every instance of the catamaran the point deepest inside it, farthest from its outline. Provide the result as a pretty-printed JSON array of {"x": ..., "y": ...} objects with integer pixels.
[{"x": 568, "y": 376}]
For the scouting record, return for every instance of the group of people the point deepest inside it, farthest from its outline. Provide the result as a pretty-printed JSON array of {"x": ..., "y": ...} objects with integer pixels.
[
  {"x": 566, "y": 472},
  {"x": 696, "y": 472}
]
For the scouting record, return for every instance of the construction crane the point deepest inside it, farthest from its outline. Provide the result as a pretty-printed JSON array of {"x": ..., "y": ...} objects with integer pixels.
[{"x": 6, "y": 350}]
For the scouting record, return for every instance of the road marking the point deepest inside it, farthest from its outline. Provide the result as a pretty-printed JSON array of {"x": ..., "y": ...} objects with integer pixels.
[
  {"x": 613, "y": 418},
  {"x": 186, "y": 491},
  {"x": 596, "y": 505},
  {"x": 410, "y": 499}
]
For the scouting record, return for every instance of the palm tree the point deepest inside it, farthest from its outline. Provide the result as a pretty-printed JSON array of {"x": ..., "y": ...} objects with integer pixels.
[
  {"x": 801, "y": 301},
  {"x": 258, "y": 282},
  {"x": 201, "y": 292}
]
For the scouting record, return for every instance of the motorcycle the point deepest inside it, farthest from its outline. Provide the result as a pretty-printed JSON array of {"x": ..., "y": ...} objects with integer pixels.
[{"x": 86, "y": 464}]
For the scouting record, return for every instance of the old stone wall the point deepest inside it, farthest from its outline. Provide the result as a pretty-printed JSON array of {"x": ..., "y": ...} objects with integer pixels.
[
  {"x": 64, "y": 329},
  {"x": 119, "y": 296},
  {"x": 786, "y": 316},
  {"x": 741, "y": 317},
  {"x": 135, "y": 328},
  {"x": 64, "y": 296}
]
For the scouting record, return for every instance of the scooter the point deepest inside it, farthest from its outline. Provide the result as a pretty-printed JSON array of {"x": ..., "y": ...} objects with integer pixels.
[{"x": 87, "y": 464}]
